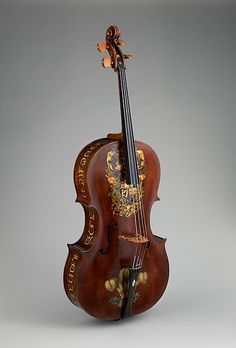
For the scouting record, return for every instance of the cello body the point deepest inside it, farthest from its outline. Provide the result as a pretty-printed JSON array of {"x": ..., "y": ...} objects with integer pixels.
[{"x": 117, "y": 268}]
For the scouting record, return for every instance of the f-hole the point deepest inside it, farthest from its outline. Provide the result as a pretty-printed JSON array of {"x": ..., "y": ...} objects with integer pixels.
[{"x": 104, "y": 251}]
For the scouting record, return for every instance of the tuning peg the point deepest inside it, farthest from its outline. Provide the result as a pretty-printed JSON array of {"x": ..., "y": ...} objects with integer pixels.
[
  {"x": 120, "y": 42},
  {"x": 128, "y": 56},
  {"x": 101, "y": 46},
  {"x": 106, "y": 62}
]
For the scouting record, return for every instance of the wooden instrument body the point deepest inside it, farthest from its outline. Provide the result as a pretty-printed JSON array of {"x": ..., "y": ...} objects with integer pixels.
[{"x": 97, "y": 264}]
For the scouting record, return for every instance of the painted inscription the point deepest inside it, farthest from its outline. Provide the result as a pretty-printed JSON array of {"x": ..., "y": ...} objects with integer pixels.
[
  {"x": 81, "y": 176},
  {"x": 71, "y": 275},
  {"x": 91, "y": 228}
]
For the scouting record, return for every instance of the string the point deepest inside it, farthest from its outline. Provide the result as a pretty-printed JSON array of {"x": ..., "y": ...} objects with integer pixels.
[
  {"x": 138, "y": 257},
  {"x": 124, "y": 105},
  {"x": 128, "y": 148},
  {"x": 141, "y": 212}
]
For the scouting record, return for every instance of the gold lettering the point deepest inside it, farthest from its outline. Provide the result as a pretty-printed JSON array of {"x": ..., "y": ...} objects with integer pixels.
[
  {"x": 70, "y": 287},
  {"x": 91, "y": 231},
  {"x": 72, "y": 268},
  {"x": 91, "y": 228},
  {"x": 83, "y": 161},
  {"x": 82, "y": 173},
  {"x": 81, "y": 182},
  {"x": 88, "y": 240},
  {"x": 87, "y": 153},
  {"x": 92, "y": 215}
]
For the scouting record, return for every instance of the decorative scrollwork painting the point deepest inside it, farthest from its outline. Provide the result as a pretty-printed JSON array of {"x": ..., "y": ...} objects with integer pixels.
[
  {"x": 126, "y": 199},
  {"x": 120, "y": 286}
]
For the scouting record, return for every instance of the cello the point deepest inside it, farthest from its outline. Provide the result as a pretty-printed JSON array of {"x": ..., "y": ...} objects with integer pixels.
[{"x": 117, "y": 268}]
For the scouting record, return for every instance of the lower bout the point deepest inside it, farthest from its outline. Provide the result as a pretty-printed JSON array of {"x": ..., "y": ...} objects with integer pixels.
[
  {"x": 100, "y": 288},
  {"x": 108, "y": 297}
]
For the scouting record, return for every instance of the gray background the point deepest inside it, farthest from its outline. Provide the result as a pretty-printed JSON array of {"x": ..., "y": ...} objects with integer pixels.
[{"x": 55, "y": 98}]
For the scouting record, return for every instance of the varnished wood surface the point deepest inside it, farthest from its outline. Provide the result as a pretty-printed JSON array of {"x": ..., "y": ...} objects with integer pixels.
[{"x": 90, "y": 265}]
